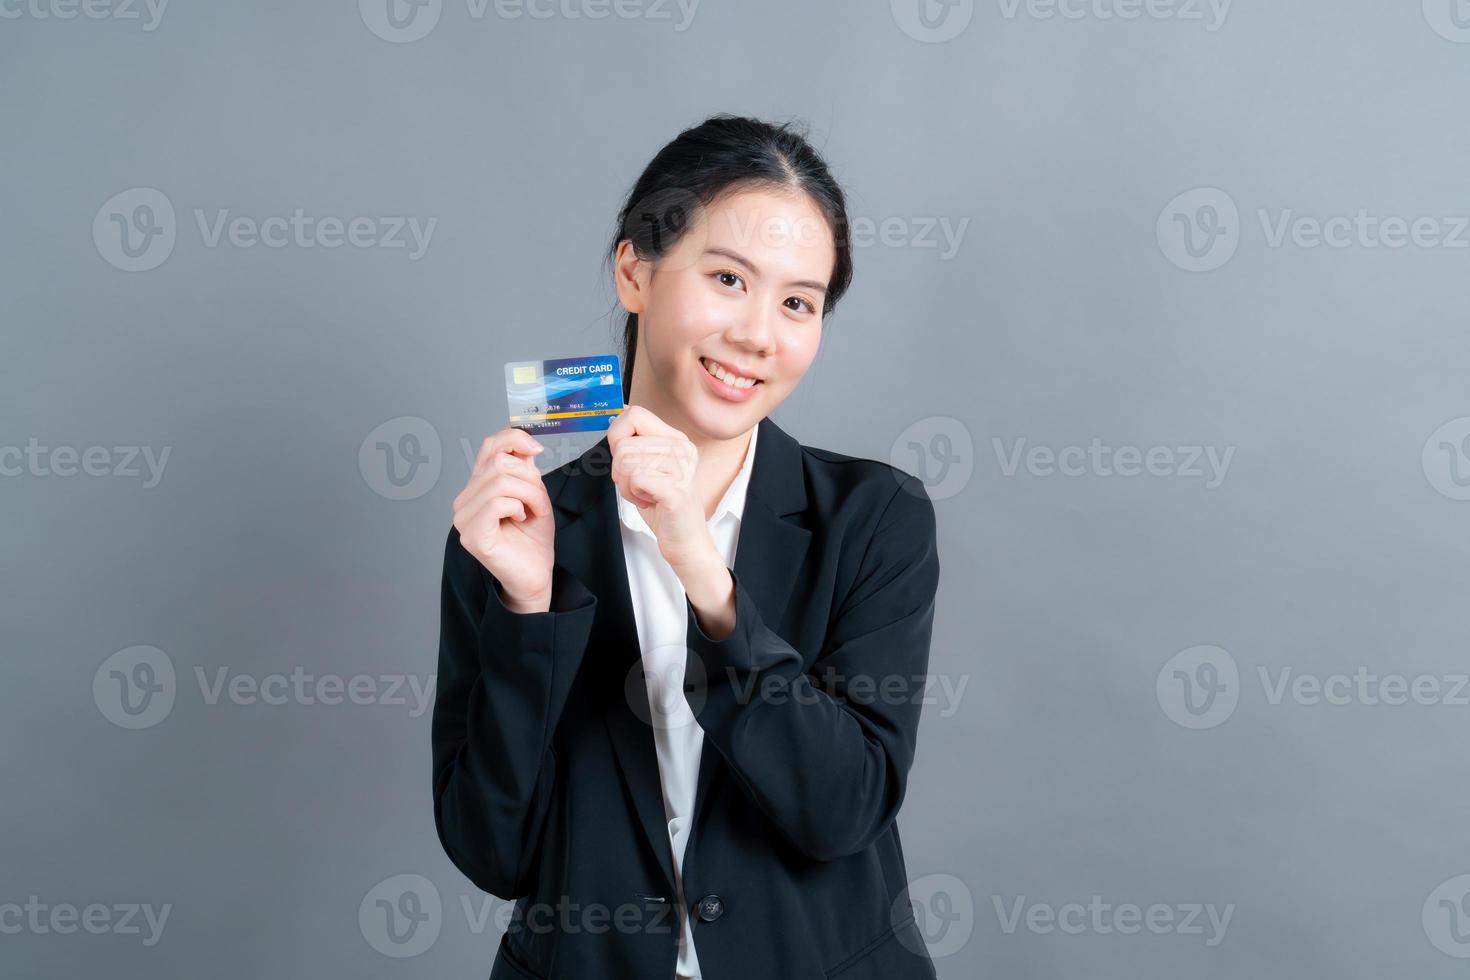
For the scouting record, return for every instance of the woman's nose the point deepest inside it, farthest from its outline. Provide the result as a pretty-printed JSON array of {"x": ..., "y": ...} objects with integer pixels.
[{"x": 756, "y": 331}]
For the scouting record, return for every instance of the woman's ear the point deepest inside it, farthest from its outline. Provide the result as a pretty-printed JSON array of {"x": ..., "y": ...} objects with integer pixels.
[{"x": 631, "y": 275}]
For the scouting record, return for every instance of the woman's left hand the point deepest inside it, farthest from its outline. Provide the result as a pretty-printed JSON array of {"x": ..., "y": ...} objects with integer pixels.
[{"x": 654, "y": 467}]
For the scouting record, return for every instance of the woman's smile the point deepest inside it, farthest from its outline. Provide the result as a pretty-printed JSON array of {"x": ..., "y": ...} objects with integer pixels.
[{"x": 724, "y": 381}]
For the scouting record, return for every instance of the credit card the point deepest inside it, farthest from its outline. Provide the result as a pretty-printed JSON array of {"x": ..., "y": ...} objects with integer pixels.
[{"x": 567, "y": 394}]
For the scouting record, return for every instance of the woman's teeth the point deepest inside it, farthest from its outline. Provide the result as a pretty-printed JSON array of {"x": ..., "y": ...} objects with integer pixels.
[{"x": 733, "y": 380}]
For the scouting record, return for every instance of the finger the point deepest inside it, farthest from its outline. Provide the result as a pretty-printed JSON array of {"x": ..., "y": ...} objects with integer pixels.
[
  {"x": 648, "y": 488},
  {"x": 508, "y": 458},
  {"x": 497, "y": 463},
  {"x": 496, "y": 510},
  {"x": 654, "y": 454},
  {"x": 508, "y": 439},
  {"x": 502, "y": 508},
  {"x": 642, "y": 421},
  {"x": 509, "y": 462},
  {"x": 533, "y": 496}
]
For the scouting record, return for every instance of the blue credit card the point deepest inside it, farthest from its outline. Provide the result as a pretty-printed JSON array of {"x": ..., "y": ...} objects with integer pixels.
[{"x": 568, "y": 394}]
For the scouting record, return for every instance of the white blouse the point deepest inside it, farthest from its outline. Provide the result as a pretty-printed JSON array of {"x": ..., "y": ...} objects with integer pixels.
[{"x": 659, "y": 609}]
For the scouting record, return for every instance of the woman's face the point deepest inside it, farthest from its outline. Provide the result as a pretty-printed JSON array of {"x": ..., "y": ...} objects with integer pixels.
[{"x": 742, "y": 293}]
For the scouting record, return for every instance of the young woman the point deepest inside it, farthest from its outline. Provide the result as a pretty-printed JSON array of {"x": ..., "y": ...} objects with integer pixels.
[{"x": 680, "y": 677}]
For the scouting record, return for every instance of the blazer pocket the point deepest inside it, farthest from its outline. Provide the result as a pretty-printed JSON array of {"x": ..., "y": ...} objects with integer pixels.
[
  {"x": 515, "y": 966},
  {"x": 888, "y": 957}
]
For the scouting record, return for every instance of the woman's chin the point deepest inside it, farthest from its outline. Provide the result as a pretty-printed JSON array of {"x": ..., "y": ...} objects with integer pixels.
[{"x": 724, "y": 420}]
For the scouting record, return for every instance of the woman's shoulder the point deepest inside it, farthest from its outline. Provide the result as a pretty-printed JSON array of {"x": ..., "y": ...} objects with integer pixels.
[{"x": 871, "y": 487}]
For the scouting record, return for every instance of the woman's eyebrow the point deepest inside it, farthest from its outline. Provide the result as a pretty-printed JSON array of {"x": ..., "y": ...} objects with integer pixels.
[{"x": 735, "y": 256}]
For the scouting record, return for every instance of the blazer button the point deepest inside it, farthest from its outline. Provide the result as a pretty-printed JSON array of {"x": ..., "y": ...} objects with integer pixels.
[{"x": 711, "y": 908}]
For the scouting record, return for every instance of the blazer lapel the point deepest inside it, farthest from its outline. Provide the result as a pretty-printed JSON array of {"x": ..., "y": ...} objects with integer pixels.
[
  {"x": 769, "y": 552},
  {"x": 768, "y": 555}
]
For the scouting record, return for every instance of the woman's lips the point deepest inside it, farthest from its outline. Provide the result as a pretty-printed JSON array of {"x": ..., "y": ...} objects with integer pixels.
[{"x": 720, "y": 389}]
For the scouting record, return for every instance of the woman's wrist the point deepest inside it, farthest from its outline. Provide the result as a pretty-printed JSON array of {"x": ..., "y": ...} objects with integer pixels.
[
  {"x": 711, "y": 591},
  {"x": 538, "y": 603}
]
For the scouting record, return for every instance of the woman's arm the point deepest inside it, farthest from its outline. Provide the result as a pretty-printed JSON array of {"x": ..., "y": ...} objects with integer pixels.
[
  {"x": 503, "y": 680},
  {"x": 829, "y": 765}
]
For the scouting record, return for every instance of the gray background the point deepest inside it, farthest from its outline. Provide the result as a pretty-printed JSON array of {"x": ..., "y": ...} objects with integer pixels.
[{"x": 1069, "y": 767}]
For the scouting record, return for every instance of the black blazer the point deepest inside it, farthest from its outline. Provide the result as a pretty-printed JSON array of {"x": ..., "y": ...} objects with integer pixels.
[{"x": 546, "y": 782}]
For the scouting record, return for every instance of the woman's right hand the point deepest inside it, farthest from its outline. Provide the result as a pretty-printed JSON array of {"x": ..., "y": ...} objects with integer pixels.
[{"x": 505, "y": 520}]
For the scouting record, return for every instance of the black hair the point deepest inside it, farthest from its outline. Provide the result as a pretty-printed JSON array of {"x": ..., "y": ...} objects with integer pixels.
[{"x": 722, "y": 154}]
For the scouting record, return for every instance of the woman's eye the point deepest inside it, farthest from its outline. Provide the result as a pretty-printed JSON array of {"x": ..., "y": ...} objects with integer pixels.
[{"x": 724, "y": 275}]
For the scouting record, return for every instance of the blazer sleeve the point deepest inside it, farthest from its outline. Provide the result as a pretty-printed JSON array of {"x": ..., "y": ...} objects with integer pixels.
[
  {"x": 503, "y": 681},
  {"x": 828, "y": 761}
]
